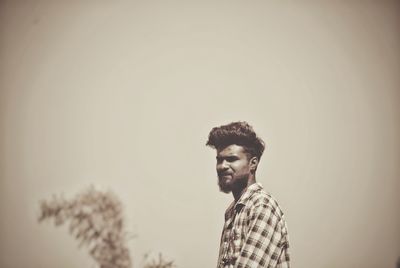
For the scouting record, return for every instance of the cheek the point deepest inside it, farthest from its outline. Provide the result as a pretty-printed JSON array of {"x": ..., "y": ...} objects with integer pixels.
[{"x": 242, "y": 168}]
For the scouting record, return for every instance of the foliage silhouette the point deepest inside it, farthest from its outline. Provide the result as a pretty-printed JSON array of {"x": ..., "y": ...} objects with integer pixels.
[{"x": 96, "y": 220}]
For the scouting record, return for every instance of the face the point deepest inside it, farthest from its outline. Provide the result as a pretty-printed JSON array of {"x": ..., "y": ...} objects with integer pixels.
[{"x": 233, "y": 168}]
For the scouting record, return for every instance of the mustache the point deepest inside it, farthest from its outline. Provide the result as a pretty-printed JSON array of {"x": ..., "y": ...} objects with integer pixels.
[{"x": 224, "y": 173}]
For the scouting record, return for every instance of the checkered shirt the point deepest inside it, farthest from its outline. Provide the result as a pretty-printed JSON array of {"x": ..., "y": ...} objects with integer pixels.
[{"x": 255, "y": 233}]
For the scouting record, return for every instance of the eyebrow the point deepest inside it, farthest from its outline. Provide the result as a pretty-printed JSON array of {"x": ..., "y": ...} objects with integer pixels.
[{"x": 226, "y": 157}]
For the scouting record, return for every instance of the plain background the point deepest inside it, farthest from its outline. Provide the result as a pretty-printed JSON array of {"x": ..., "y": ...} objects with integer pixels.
[{"x": 122, "y": 95}]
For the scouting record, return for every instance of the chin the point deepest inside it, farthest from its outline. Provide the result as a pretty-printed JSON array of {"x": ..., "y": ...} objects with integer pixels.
[{"x": 225, "y": 189}]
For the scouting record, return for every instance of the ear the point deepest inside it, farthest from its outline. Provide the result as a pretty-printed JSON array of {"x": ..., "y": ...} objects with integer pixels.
[{"x": 253, "y": 163}]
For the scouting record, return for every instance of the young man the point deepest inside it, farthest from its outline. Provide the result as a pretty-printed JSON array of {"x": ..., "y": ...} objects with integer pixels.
[{"x": 255, "y": 233}]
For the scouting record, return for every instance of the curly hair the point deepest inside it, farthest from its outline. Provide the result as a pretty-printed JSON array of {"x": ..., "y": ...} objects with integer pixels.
[{"x": 239, "y": 133}]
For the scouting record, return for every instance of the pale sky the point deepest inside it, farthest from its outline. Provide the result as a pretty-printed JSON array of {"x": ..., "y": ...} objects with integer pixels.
[{"x": 122, "y": 95}]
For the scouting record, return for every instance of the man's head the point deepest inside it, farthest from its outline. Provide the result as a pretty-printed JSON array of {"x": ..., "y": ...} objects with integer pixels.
[{"x": 238, "y": 153}]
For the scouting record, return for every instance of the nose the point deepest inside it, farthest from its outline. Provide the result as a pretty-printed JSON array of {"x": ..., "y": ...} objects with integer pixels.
[{"x": 222, "y": 166}]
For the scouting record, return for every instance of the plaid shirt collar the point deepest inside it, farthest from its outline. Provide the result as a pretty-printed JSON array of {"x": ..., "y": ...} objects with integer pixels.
[{"x": 250, "y": 190}]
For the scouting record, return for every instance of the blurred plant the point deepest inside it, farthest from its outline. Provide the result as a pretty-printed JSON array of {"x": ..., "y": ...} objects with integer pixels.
[
  {"x": 95, "y": 219},
  {"x": 160, "y": 263}
]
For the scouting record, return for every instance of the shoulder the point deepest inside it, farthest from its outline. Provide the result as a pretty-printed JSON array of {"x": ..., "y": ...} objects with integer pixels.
[{"x": 260, "y": 200}]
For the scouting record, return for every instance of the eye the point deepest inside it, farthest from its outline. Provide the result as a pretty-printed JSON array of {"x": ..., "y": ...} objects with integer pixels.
[{"x": 231, "y": 158}]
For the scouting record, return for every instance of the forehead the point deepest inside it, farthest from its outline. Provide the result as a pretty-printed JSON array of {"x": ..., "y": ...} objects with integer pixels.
[{"x": 232, "y": 149}]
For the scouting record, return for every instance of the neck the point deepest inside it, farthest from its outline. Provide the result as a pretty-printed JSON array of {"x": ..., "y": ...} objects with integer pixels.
[{"x": 237, "y": 193}]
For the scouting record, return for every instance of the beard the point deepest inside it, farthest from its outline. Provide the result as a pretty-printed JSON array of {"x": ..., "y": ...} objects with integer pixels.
[
  {"x": 223, "y": 187},
  {"x": 232, "y": 184}
]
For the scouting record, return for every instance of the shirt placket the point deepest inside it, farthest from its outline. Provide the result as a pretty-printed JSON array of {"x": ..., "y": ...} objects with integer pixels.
[{"x": 227, "y": 243}]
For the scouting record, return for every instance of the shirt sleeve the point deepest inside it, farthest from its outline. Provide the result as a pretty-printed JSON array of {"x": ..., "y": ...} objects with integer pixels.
[{"x": 266, "y": 241}]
